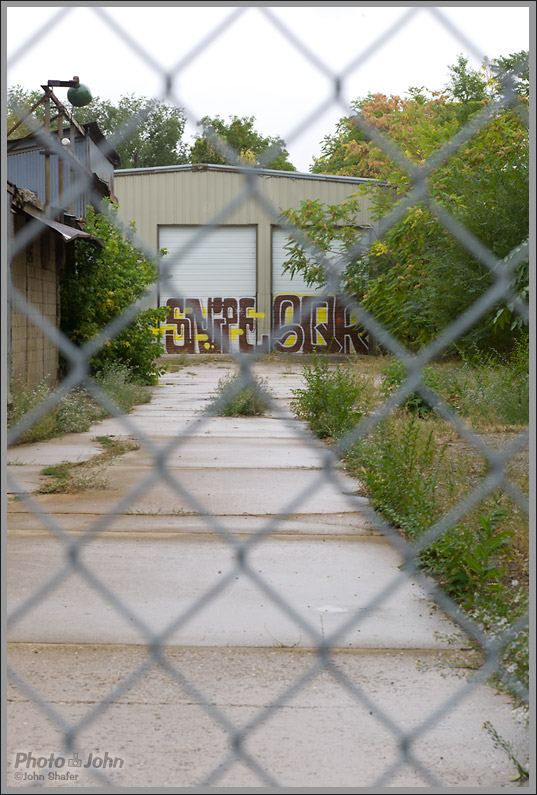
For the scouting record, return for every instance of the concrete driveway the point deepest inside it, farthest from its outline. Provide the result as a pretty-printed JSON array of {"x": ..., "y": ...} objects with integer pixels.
[{"x": 240, "y": 557}]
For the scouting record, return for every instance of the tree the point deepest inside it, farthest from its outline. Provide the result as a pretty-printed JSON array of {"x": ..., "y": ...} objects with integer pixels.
[
  {"x": 148, "y": 133},
  {"x": 18, "y": 101},
  {"x": 244, "y": 140},
  {"x": 153, "y": 140},
  {"x": 103, "y": 283},
  {"x": 418, "y": 278}
]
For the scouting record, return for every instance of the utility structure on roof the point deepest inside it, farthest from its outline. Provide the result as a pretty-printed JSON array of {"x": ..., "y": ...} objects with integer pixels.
[{"x": 69, "y": 167}]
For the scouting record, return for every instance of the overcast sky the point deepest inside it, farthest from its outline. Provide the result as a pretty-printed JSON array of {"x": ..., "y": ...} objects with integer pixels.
[{"x": 252, "y": 68}]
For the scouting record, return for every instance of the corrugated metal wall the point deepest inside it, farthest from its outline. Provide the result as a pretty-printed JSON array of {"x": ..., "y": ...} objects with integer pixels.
[{"x": 25, "y": 168}]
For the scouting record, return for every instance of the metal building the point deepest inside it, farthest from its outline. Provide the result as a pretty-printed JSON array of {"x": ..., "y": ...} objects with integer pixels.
[
  {"x": 229, "y": 278},
  {"x": 26, "y": 167}
]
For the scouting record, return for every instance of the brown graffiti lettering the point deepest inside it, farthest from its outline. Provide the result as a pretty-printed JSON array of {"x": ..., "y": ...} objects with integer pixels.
[{"x": 300, "y": 324}]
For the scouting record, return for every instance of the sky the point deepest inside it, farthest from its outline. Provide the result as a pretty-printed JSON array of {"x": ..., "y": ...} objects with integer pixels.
[{"x": 237, "y": 60}]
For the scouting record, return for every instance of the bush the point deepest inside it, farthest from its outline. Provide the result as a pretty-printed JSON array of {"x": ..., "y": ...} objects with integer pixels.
[
  {"x": 394, "y": 375},
  {"x": 491, "y": 389},
  {"x": 77, "y": 410},
  {"x": 246, "y": 401},
  {"x": 409, "y": 480},
  {"x": 333, "y": 401},
  {"x": 122, "y": 386},
  {"x": 104, "y": 282},
  {"x": 401, "y": 467}
]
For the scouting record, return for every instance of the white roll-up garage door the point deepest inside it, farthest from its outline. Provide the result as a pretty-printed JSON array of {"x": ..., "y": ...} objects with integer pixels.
[
  {"x": 283, "y": 282},
  {"x": 211, "y": 286},
  {"x": 204, "y": 263},
  {"x": 303, "y": 318}
]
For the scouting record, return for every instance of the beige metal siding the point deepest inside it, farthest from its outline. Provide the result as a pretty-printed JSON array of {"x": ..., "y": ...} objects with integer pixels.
[
  {"x": 209, "y": 195},
  {"x": 196, "y": 197}
]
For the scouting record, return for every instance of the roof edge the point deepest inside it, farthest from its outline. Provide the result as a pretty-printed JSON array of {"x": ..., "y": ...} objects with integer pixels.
[{"x": 265, "y": 172}]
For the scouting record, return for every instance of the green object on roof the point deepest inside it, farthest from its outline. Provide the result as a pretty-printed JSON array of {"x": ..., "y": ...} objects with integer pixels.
[{"x": 79, "y": 96}]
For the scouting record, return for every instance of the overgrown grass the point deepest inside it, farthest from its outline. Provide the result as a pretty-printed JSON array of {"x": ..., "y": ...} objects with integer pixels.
[
  {"x": 78, "y": 410},
  {"x": 334, "y": 399},
  {"x": 73, "y": 477},
  {"x": 233, "y": 400},
  {"x": 414, "y": 468}
]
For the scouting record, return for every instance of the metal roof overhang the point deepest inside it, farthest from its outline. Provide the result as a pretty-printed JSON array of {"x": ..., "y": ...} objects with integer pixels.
[{"x": 68, "y": 233}]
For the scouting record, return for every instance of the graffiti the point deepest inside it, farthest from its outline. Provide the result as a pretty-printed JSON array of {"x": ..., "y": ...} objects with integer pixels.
[
  {"x": 304, "y": 323},
  {"x": 300, "y": 323},
  {"x": 221, "y": 326}
]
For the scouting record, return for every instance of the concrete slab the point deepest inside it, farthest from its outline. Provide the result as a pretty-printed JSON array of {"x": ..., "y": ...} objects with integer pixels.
[
  {"x": 324, "y": 562},
  {"x": 227, "y": 491},
  {"x": 159, "y": 524},
  {"x": 67, "y": 448},
  {"x": 323, "y": 736},
  {"x": 170, "y": 424},
  {"x": 327, "y": 585},
  {"x": 26, "y": 462},
  {"x": 210, "y": 451}
]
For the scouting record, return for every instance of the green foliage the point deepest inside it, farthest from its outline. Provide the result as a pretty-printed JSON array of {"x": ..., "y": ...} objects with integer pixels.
[
  {"x": 234, "y": 400},
  {"x": 468, "y": 88},
  {"x": 490, "y": 389},
  {"x": 401, "y": 279},
  {"x": 471, "y": 562},
  {"x": 255, "y": 149},
  {"x": 18, "y": 101},
  {"x": 333, "y": 401},
  {"x": 77, "y": 410},
  {"x": 122, "y": 387},
  {"x": 409, "y": 479},
  {"x": 155, "y": 139},
  {"x": 401, "y": 466},
  {"x": 394, "y": 374},
  {"x": 104, "y": 282}
]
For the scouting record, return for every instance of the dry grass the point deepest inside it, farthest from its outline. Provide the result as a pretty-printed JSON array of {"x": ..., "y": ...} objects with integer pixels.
[{"x": 70, "y": 478}]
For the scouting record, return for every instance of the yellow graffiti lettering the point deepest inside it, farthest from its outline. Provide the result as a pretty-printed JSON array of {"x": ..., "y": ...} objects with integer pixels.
[
  {"x": 250, "y": 312},
  {"x": 202, "y": 337},
  {"x": 291, "y": 340},
  {"x": 235, "y": 332}
]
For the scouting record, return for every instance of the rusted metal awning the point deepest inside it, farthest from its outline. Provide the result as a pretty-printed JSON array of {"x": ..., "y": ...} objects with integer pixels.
[{"x": 68, "y": 233}]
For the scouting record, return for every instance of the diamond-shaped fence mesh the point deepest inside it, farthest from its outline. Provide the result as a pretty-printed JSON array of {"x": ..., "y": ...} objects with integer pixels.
[{"x": 248, "y": 731}]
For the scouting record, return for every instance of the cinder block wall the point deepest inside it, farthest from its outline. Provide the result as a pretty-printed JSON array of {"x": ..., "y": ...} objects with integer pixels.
[{"x": 35, "y": 273}]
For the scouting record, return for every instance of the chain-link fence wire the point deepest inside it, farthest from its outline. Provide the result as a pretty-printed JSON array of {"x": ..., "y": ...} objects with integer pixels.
[{"x": 78, "y": 375}]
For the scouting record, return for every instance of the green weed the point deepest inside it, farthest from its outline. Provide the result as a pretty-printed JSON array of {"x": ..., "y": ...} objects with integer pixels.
[
  {"x": 72, "y": 477},
  {"x": 402, "y": 466},
  {"x": 233, "y": 400},
  {"x": 394, "y": 374},
  {"x": 499, "y": 742},
  {"x": 414, "y": 472},
  {"x": 77, "y": 410},
  {"x": 334, "y": 399}
]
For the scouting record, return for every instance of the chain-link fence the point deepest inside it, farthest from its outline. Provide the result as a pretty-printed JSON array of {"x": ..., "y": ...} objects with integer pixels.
[{"x": 77, "y": 374}]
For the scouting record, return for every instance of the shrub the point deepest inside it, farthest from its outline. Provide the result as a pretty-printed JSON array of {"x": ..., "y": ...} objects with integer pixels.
[
  {"x": 231, "y": 400},
  {"x": 122, "y": 386},
  {"x": 401, "y": 467},
  {"x": 104, "y": 282},
  {"x": 333, "y": 401},
  {"x": 394, "y": 374},
  {"x": 471, "y": 562},
  {"x": 77, "y": 410}
]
